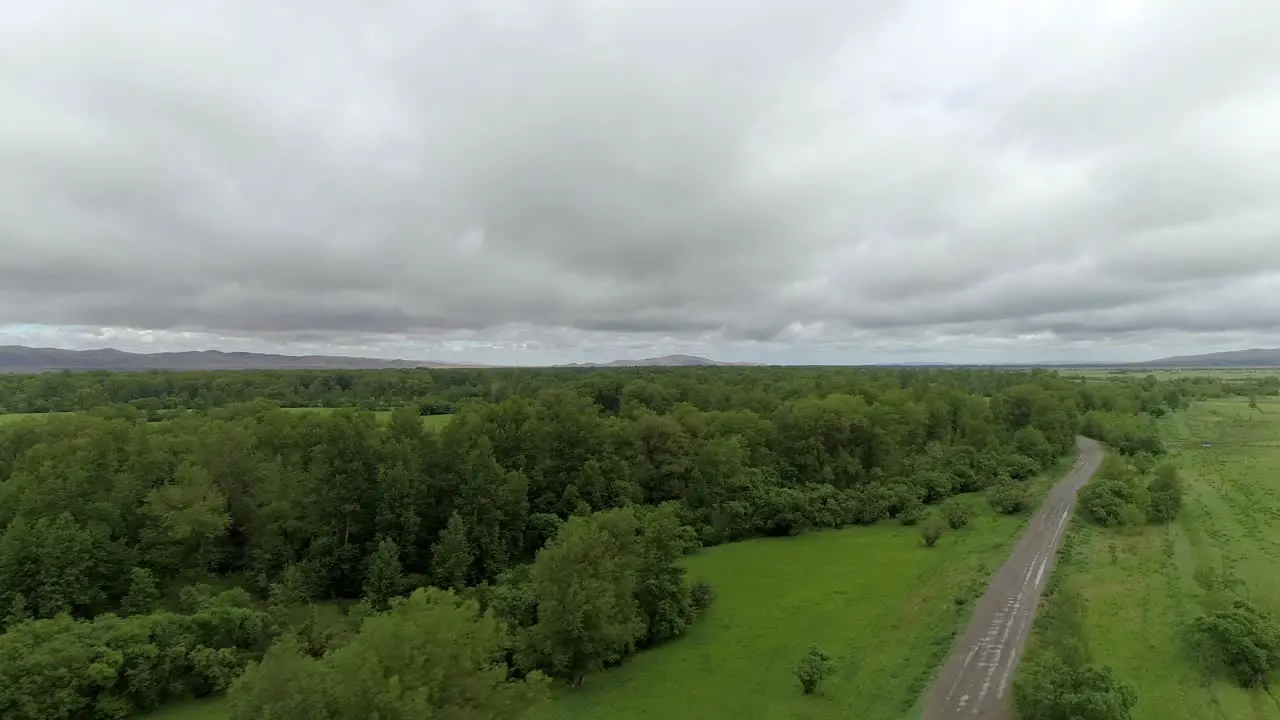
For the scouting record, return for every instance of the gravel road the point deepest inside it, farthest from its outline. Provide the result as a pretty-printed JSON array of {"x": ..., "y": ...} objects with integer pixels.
[{"x": 975, "y": 681}]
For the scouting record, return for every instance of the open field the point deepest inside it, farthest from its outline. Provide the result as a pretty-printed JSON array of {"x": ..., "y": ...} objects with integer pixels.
[
  {"x": 882, "y": 604},
  {"x": 428, "y": 421},
  {"x": 1140, "y": 585},
  {"x": 1221, "y": 373},
  {"x": 873, "y": 597},
  {"x": 18, "y": 417}
]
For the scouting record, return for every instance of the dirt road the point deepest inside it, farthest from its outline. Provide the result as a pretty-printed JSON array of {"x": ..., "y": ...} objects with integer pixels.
[{"x": 975, "y": 681}]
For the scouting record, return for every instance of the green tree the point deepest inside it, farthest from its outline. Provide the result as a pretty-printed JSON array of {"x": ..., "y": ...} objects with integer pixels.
[
  {"x": 451, "y": 556},
  {"x": 1241, "y": 639},
  {"x": 814, "y": 667},
  {"x": 1049, "y": 689},
  {"x": 186, "y": 519},
  {"x": 1008, "y": 497},
  {"x": 1165, "y": 494},
  {"x": 144, "y": 593},
  {"x": 432, "y": 655},
  {"x": 661, "y": 590},
  {"x": 384, "y": 577},
  {"x": 584, "y": 586}
]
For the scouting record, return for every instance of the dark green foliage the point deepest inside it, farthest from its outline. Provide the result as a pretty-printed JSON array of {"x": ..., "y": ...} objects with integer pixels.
[
  {"x": 1116, "y": 496},
  {"x": 451, "y": 556},
  {"x": 1008, "y": 497},
  {"x": 431, "y": 655},
  {"x": 957, "y": 513},
  {"x": 912, "y": 513},
  {"x": 1048, "y": 688},
  {"x": 814, "y": 667},
  {"x": 932, "y": 529},
  {"x": 1240, "y": 639},
  {"x": 115, "y": 667},
  {"x": 384, "y": 578},
  {"x": 143, "y": 596},
  {"x": 1165, "y": 494}
]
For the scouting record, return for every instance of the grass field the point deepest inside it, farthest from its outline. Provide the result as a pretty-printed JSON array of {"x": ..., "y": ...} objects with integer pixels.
[
  {"x": 18, "y": 417},
  {"x": 873, "y": 597},
  {"x": 429, "y": 421},
  {"x": 1140, "y": 586},
  {"x": 432, "y": 422}
]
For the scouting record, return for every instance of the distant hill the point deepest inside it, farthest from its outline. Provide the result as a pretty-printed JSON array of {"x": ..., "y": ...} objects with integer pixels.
[
  {"x": 664, "y": 361},
  {"x": 1255, "y": 357},
  {"x": 21, "y": 359}
]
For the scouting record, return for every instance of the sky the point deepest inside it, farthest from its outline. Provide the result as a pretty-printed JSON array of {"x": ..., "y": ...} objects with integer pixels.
[{"x": 547, "y": 181}]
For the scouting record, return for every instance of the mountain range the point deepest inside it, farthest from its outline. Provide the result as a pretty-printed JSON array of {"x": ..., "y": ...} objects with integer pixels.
[{"x": 22, "y": 359}]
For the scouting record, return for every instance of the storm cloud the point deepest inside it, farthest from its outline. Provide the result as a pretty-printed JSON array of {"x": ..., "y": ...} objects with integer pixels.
[{"x": 559, "y": 180}]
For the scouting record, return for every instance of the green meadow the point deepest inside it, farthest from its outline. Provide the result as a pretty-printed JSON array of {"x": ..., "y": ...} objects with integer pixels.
[{"x": 1140, "y": 585}]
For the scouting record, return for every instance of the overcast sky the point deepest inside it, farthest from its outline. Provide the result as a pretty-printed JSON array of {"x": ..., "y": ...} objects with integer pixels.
[{"x": 565, "y": 180}]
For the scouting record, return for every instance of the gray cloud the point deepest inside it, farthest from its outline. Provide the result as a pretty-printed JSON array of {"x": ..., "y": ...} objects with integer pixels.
[{"x": 569, "y": 179}]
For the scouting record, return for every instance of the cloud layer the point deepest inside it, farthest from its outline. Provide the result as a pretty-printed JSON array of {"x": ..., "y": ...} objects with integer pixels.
[{"x": 569, "y": 179}]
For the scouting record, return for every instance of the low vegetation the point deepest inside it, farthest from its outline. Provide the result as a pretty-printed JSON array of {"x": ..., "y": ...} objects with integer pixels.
[{"x": 1176, "y": 561}]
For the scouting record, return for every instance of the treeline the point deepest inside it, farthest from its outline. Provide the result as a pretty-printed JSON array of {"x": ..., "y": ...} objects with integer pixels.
[
  {"x": 441, "y": 391},
  {"x": 560, "y": 504}
]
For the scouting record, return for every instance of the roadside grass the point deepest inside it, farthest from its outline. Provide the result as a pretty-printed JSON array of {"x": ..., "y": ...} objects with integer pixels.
[
  {"x": 1140, "y": 585},
  {"x": 887, "y": 608}
]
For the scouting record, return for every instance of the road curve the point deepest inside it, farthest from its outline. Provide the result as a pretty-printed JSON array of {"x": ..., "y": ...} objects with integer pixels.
[{"x": 975, "y": 681}]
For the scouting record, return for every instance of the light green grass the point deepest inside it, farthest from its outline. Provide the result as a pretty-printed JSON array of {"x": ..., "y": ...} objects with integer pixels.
[
  {"x": 431, "y": 422},
  {"x": 1139, "y": 585},
  {"x": 873, "y": 597},
  {"x": 18, "y": 417}
]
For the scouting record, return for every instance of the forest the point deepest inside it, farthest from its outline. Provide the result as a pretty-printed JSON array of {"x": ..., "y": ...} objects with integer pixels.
[{"x": 176, "y": 535}]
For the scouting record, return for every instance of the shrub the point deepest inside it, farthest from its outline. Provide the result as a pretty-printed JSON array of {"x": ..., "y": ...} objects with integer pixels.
[
  {"x": 932, "y": 529},
  {"x": 702, "y": 595},
  {"x": 814, "y": 667},
  {"x": 1048, "y": 688},
  {"x": 1240, "y": 638},
  {"x": 911, "y": 514},
  {"x": 1164, "y": 495},
  {"x": 957, "y": 513},
  {"x": 1008, "y": 498}
]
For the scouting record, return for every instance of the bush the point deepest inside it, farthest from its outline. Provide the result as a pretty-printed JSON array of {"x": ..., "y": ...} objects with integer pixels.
[
  {"x": 814, "y": 667},
  {"x": 1241, "y": 639},
  {"x": 911, "y": 514},
  {"x": 1164, "y": 495},
  {"x": 1048, "y": 689},
  {"x": 957, "y": 513},
  {"x": 931, "y": 530},
  {"x": 1008, "y": 498},
  {"x": 701, "y": 596}
]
